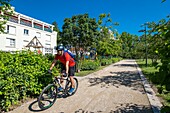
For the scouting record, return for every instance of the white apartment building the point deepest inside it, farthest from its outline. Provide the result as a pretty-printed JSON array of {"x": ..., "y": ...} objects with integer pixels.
[{"x": 23, "y": 31}]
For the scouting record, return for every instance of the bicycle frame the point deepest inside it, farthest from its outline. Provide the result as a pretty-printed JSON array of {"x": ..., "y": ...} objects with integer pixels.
[{"x": 57, "y": 82}]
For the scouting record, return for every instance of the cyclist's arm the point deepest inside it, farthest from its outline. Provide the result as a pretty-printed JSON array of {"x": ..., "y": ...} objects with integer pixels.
[
  {"x": 53, "y": 64},
  {"x": 67, "y": 66}
]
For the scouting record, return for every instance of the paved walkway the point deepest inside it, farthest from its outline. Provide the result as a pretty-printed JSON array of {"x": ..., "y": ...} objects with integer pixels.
[{"x": 117, "y": 88}]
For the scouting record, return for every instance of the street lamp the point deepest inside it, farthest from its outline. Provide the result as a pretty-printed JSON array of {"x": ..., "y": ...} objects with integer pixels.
[{"x": 146, "y": 51}]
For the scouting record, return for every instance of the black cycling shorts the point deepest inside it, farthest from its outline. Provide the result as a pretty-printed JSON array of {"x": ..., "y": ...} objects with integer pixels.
[{"x": 71, "y": 71}]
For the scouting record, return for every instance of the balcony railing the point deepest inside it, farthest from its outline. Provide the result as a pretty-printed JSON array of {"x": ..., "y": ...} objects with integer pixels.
[
  {"x": 28, "y": 23},
  {"x": 47, "y": 29},
  {"x": 38, "y": 27},
  {"x": 15, "y": 20},
  {"x": 25, "y": 23}
]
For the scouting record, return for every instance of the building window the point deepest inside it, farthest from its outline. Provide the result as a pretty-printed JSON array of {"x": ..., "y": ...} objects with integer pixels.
[
  {"x": 11, "y": 29},
  {"x": 38, "y": 35},
  {"x": 26, "y": 32},
  {"x": 10, "y": 42},
  {"x": 48, "y": 49},
  {"x": 48, "y": 45},
  {"x": 48, "y": 38}
]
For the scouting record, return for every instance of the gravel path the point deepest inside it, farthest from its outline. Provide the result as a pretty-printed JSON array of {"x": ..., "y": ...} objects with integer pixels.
[{"x": 115, "y": 89}]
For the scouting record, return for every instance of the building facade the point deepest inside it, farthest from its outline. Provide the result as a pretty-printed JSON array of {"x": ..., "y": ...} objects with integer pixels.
[{"x": 21, "y": 30}]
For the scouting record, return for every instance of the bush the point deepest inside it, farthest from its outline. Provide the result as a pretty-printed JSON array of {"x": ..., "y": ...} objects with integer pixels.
[
  {"x": 114, "y": 60},
  {"x": 106, "y": 62},
  {"x": 22, "y": 74},
  {"x": 50, "y": 57},
  {"x": 89, "y": 65}
]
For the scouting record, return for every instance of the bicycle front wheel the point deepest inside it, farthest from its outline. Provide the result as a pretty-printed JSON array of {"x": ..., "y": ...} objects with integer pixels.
[{"x": 47, "y": 97}]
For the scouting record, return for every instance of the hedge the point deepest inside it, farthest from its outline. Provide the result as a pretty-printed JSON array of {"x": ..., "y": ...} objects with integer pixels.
[{"x": 22, "y": 74}]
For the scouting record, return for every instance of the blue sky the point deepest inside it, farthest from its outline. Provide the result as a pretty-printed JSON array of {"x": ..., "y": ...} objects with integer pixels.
[{"x": 129, "y": 13}]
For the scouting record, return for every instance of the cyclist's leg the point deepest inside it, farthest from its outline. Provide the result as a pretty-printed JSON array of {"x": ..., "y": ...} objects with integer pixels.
[
  {"x": 71, "y": 75},
  {"x": 63, "y": 70}
]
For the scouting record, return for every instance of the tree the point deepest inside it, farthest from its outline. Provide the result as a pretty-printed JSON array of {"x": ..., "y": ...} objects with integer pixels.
[
  {"x": 5, "y": 11},
  {"x": 126, "y": 40},
  {"x": 106, "y": 43},
  {"x": 79, "y": 31}
]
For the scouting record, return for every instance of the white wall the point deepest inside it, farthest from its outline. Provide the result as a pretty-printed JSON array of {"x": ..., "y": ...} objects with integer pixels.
[{"x": 47, "y": 39}]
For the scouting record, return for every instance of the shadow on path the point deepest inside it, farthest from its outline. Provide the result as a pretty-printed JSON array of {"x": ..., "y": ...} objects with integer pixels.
[
  {"x": 125, "y": 65},
  {"x": 32, "y": 107},
  {"x": 125, "y": 78},
  {"x": 132, "y": 108},
  {"x": 123, "y": 108}
]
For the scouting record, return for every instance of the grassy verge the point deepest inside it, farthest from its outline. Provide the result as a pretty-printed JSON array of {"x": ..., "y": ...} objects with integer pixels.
[
  {"x": 149, "y": 72},
  {"x": 84, "y": 73}
]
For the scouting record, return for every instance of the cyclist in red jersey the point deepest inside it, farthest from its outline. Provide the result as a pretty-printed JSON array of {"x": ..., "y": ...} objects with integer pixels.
[{"x": 68, "y": 65}]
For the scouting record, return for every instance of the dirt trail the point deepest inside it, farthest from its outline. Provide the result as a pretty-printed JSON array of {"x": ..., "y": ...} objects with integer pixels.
[{"x": 114, "y": 89}]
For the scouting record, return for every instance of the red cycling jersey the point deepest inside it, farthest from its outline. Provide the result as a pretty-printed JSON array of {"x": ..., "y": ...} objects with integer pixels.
[{"x": 65, "y": 57}]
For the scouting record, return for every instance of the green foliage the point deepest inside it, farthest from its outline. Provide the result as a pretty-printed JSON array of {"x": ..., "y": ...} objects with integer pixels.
[
  {"x": 106, "y": 43},
  {"x": 114, "y": 60},
  {"x": 89, "y": 65},
  {"x": 165, "y": 109},
  {"x": 22, "y": 74},
  {"x": 108, "y": 47},
  {"x": 105, "y": 62},
  {"x": 162, "y": 33},
  {"x": 5, "y": 7},
  {"x": 130, "y": 46},
  {"x": 50, "y": 57},
  {"x": 155, "y": 78},
  {"x": 158, "y": 44},
  {"x": 81, "y": 30}
]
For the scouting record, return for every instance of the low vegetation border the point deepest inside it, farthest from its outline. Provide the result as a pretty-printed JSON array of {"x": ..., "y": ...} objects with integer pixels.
[{"x": 153, "y": 99}]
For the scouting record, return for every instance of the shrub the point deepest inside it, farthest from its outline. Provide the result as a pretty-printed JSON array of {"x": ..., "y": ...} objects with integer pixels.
[
  {"x": 105, "y": 62},
  {"x": 116, "y": 59},
  {"x": 22, "y": 74},
  {"x": 89, "y": 65}
]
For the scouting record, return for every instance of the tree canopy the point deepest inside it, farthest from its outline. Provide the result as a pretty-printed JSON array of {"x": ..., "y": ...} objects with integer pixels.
[
  {"x": 79, "y": 31},
  {"x": 5, "y": 10}
]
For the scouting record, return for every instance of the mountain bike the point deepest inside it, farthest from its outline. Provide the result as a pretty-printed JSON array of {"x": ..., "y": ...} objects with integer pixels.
[{"x": 50, "y": 93}]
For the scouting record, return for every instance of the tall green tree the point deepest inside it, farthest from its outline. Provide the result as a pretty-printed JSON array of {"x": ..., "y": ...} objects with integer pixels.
[
  {"x": 5, "y": 11},
  {"x": 106, "y": 43},
  {"x": 127, "y": 45},
  {"x": 79, "y": 31}
]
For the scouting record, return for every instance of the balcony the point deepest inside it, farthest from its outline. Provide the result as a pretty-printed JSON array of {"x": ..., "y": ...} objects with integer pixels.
[
  {"x": 26, "y": 23},
  {"x": 48, "y": 30},
  {"x": 11, "y": 19},
  {"x": 38, "y": 27},
  {"x": 29, "y": 23}
]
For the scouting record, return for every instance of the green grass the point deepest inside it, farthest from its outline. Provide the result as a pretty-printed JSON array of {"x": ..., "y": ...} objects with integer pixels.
[
  {"x": 149, "y": 72},
  {"x": 84, "y": 73}
]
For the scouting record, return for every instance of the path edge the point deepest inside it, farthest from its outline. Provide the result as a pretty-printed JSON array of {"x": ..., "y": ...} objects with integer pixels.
[{"x": 153, "y": 99}]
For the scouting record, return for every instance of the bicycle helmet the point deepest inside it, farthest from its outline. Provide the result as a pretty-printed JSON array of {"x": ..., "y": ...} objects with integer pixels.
[{"x": 60, "y": 47}]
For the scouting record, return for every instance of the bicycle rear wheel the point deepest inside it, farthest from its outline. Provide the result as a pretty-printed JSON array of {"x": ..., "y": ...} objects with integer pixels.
[{"x": 47, "y": 97}]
